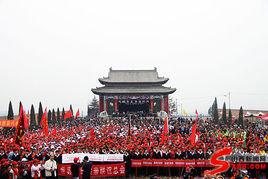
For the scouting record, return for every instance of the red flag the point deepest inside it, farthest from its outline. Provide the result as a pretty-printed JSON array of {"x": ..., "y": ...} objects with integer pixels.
[
  {"x": 194, "y": 137},
  {"x": 68, "y": 115},
  {"x": 77, "y": 114},
  {"x": 54, "y": 131},
  {"x": 92, "y": 134},
  {"x": 26, "y": 121},
  {"x": 20, "y": 127},
  {"x": 44, "y": 123},
  {"x": 165, "y": 130},
  {"x": 196, "y": 114}
]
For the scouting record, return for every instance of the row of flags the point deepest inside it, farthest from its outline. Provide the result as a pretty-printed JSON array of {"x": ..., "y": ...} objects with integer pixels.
[
  {"x": 194, "y": 134},
  {"x": 23, "y": 123},
  {"x": 165, "y": 133}
]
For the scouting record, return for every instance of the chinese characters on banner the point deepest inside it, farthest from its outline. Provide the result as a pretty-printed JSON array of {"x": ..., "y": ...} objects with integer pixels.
[
  {"x": 136, "y": 163},
  {"x": 101, "y": 170},
  {"x": 8, "y": 123}
]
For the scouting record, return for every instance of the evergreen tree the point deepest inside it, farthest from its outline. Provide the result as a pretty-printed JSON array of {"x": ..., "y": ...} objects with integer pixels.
[
  {"x": 224, "y": 115},
  {"x": 71, "y": 109},
  {"x": 210, "y": 110},
  {"x": 10, "y": 114},
  {"x": 53, "y": 117},
  {"x": 215, "y": 112},
  {"x": 230, "y": 118},
  {"x": 33, "y": 124},
  {"x": 63, "y": 114},
  {"x": 40, "y": 113},
  {"x": 49, "y": 117},
  {"x": 88, "y": 110},
  {"x": 20, "y": 105},
  {"x": 58, "y": 117},
  {"x": 93, "y": 107},
  {"x": 241, "y": 118},
  {"x": 172, "y": 105}
]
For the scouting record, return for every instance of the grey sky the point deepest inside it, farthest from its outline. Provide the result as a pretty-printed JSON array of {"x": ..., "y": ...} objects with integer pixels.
[{"x": 54, "y": 51}]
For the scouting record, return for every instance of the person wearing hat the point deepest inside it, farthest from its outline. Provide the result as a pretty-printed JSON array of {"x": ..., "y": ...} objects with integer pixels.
[
  {"x": 75, "y": 168},
  {"x": 86, "y": 166}
]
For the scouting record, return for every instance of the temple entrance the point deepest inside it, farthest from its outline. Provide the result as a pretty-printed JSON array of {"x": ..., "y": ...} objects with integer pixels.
[
  {"x": 133, "y": 106},
  {"x": 133, "y": 91}
]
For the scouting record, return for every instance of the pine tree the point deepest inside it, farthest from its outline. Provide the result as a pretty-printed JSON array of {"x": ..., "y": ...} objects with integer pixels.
[
  {"x": 224, "y": 115},
  {"x": 10, "y": 114},
  {"x": 230, "y": 118},
  {"x": 63, "y": 114},
  {"x": 93, "y": 107},
  {"x": 20, "y": 105},
  {"x": 172, "y": 105},
  {"x": 33, "y": 124},
  {"x": 88, "y": 110},
  {"x": 58, "y": 117},
  {"x": 40, "y": 113},
  {"x": 53, "y": 117},
  {"x": 49, "y": 117},
  {"x": 215, "y": 112},
  {"x": 240, "y": 119},
  {"x": 71, "y": 109}
]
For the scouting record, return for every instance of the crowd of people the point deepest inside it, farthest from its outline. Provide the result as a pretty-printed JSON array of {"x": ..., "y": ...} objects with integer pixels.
[{"x": 136, "y": 138}]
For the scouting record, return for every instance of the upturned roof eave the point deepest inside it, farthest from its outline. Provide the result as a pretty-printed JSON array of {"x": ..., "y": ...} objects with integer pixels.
[
  {"x": 101, "y": 91},
  {"x": 105, "y": 81}
]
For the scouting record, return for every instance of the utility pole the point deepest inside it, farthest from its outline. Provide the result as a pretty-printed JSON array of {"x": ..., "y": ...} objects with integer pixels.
[{"x": 229, "y": 94}]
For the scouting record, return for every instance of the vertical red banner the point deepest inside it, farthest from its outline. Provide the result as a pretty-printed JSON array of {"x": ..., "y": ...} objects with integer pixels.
[
  {"x": 115, "y": 104},
  {"x": 151, "y": 104},
  {"x": 166, "y": 108},
  {"x": 101, "y": 104}
]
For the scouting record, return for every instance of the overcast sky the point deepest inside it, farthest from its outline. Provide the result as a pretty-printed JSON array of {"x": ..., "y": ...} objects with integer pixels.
[{"x": 55, "y": 51}]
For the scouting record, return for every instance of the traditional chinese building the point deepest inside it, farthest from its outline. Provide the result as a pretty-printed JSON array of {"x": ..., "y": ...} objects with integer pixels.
[{"x": 133, "y": 91}]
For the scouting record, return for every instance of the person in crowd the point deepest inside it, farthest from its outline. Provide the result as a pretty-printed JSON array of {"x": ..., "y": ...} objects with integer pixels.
[
  {"x": 142, "y": 139},
  {"x": 51, "y": 167},
  {"x": 75, "y": 168},
  {"x": 86, "y": 166},
  {"x": 15, "y": 169},
  {"x": 36, "y": 170}
]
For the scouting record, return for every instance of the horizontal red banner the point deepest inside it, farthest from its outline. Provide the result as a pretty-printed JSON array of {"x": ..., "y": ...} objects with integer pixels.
[
  {"x": 193, "y": 163},
  {"x": 169, "y": 163},
  {"x": 101, "y": 170}
]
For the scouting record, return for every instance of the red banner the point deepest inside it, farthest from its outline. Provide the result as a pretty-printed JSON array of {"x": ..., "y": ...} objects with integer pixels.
[
  {"x": 193, "y": 163},
  {"x": 101, "y": 170},
  {"x": 169, "y": 163},
  {"x": 9, "y": 123}
]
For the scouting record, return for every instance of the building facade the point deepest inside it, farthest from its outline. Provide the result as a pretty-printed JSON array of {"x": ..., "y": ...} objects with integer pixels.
[{"x": 133, "y": 91}]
